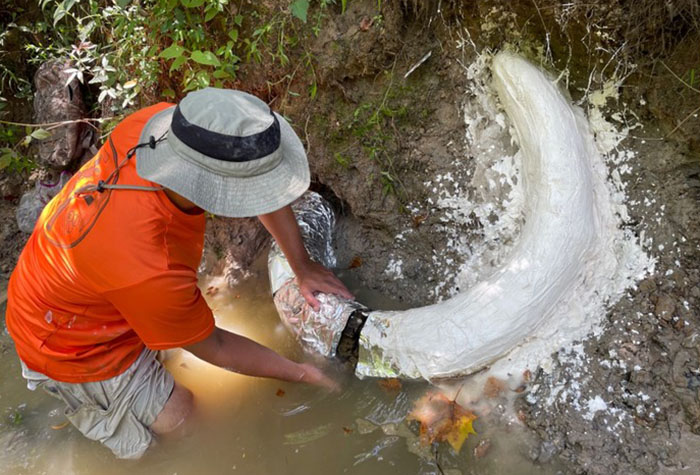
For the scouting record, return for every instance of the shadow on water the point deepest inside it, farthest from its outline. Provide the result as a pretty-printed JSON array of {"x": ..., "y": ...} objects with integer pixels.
[{"x": 255, "y": 426}]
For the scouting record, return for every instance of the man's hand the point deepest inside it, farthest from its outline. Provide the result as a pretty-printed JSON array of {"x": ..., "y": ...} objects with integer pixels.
[
  {"x": 241, "y": 355},
  {"x": 313, "y": 277},
  {"x": 313, "y": 375}
]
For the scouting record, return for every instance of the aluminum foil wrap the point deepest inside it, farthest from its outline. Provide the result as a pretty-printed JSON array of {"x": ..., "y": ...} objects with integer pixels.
[
  {"x": 317, "y": 331},
  {"x": 316, "y": 222},
  {"x": 371, "y": 361}
]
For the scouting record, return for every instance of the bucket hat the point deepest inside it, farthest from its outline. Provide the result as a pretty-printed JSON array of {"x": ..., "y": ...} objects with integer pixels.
[{"x": 225, "y": 151}]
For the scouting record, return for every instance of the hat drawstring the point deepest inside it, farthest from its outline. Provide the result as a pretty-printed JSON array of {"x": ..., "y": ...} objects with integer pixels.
[{"x": 103, "y": 185}]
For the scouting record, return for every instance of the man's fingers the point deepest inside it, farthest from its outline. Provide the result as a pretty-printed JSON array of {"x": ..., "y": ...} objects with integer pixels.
[
  {"x": 344, "y": 292},
  {"x": 336, "y": 287},
  {"x": 331, "y": 384},
  {"x": 310, "y": 299},
  {"x": 320, "y": 279}
]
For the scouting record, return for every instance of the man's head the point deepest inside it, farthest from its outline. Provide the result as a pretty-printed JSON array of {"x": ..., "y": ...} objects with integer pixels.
[{"x": 225, "y": 151}]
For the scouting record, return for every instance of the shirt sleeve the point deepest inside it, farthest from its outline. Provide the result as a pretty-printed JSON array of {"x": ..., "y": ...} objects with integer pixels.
[{"x": 165, "y": 311}]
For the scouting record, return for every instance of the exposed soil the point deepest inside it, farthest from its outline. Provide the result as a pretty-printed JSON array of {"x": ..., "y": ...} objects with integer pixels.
[{"x": 645, "y": 365}]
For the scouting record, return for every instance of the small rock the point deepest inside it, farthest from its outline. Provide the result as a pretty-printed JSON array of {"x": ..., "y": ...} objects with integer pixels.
[
  {"x": 547, "y": 451},
  {"x": 664, "y": 307},
  {"x": 390, "y": 429},
  {"x": 691, "y": 341},
  {"x": 647, "y": 286},
  {"x": 365, "y": 427},
  {"x": 58, "y": 99}
]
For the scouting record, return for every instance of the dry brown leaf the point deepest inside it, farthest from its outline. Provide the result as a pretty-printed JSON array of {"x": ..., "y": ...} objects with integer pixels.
[
  {"x": 356, "y": 262},
  {"x": 522, "y": 417},
  {"x": 60, "y": 426},
  {"x": 280, "y": 392},
  {"x": 390, "y": 385},
  {"x": 418, "y": 220},
  {"x": 493, "y": 387},
  {"x": 442, "y": 420},
  {"x": 366, "y": 23},
  {"x": 212, "y": 290},
  {"x": 520, "y": 389},
  {"x": 482, "y": 448},
  {"x": 347, "y": 430}
]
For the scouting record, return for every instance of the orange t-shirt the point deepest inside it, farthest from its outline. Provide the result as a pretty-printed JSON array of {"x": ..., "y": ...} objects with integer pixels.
[{"x": 106, "y": 272}]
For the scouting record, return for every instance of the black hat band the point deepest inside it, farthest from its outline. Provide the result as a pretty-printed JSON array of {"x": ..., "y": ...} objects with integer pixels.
[{"x": 230, "y": 148}]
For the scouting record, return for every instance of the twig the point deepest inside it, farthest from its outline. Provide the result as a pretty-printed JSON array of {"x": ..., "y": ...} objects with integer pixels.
[
  {"x": 683, "y": 122},
  {"x": 548, "y": 55},
  {"x": 306, "y": 134},
  {"x": 681, "y": 80},
  {"x": 437, "y": 461},
  {"x": 53, "y": 125}
]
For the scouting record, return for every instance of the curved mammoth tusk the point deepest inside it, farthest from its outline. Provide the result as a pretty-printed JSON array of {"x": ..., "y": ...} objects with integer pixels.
[{"x": 472, "y": 329}]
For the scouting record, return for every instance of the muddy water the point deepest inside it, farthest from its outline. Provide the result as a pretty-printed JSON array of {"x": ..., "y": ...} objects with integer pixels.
[{"x": 254, "y": 426}]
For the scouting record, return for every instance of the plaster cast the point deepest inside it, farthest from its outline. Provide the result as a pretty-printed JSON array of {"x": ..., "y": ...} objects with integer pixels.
[{"x": 569, "y": 228}]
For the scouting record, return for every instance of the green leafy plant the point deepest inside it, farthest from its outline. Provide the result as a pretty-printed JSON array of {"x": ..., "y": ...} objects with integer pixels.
[
  {"x": 300, "y": 9},
  {"x": 127, "y": 53},
  {"x": 14, "y": 141}
]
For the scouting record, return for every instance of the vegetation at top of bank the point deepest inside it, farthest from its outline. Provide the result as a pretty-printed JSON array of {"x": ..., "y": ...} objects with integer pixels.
[
  {"x": 127, "y": 53},
  {"x": 122, "y": 48}
]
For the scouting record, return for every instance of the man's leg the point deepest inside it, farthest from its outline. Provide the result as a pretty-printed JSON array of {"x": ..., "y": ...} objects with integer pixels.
[{"x": 176, "y": 411}]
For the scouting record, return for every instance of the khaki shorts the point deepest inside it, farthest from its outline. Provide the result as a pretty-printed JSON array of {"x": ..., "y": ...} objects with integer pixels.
[{"x": 117, "y": 411}]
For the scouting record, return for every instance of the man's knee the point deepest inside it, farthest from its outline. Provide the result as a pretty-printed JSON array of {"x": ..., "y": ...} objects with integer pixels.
[{"x": 178, "y": 408}]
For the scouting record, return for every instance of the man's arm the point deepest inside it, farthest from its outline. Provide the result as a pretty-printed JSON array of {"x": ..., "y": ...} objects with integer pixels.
[
  {"x": 241, "y": 355},
  {"x": 312, "y": 276}
]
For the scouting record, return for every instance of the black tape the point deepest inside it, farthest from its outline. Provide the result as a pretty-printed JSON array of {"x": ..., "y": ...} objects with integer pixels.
[{"x": 348, "y": 350}]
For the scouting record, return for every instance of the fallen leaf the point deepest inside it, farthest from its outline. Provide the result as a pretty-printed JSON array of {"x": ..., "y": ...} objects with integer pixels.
[
  {"x": 366, "y": 23},
  {"x": 60, "y": 426},
  {"x": 418, "y": 220},
  {"x": 460, "y": 430},
  {"x": 365, "y": 427},
  {"x": 280, "y": 392},
  {"x": 442, "y": 420},
  {"x": 522, "y": 417},
  {"x": 527, "y": 376},
  {"x": 493, "y": 387},
  {"x": 520, "y": 389},
  {"x": 482, "y": 448},
  {"x": 347, "y": 430},
  {"x": 356, "y": 262},
  {"x": 390, "y": 385},
  {"x": 212, "y": 290},
  {"x": 307, "y": 435}
]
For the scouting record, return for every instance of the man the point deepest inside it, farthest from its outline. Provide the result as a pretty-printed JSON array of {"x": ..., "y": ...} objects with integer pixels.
[{"x": 108, "y": 276}]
